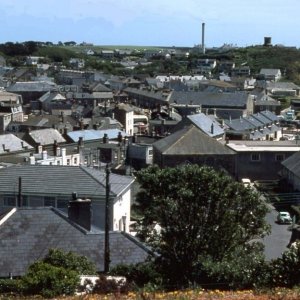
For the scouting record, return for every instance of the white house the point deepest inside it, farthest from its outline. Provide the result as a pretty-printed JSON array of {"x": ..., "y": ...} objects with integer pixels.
[
  {"x": 40, "y": 186},
  {"x": 271, "y": 74}
]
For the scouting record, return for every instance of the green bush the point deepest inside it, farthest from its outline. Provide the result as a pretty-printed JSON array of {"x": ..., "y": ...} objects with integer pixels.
[
  {"x": 70, "y": 261},
  {"x": 10, "y": 286},
  {"x": 139, "y": 274},
  {"x": 285, "y": 271},
  {"x": 49, "y": 281},
  {"x": 106, "y": 286}
]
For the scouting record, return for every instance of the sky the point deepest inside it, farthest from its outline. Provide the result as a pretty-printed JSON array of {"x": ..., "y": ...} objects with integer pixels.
[{"x": 151, "y": 22}]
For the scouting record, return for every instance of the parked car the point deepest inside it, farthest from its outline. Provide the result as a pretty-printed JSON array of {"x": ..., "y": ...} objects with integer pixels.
[
  {"x": 284, "y": 218},
  {"x": 246, "y": 182}
]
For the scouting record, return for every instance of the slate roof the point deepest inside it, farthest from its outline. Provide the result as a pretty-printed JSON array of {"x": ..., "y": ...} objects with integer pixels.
[
  {"x": 271, "y": 116},
  {"x": 204, "y": 123},
  {"x": 61, "y": 180},
  {"x": 12, "y": 143},
  {"x": 148, "y": 94},
  {"x": 208, "y": 99},
  {"x": 240, "y": 124},
  {"x": 262, "y": 118},
  {"x": 190, "y": 141},
  {"x": 269, "y": 71},
  {"x": 254, "y": 121},
  {"x": 27, "y": 234},
  {"x": 46, "y": 136},
  {"x": 32, "y": 86},
  {"x": 292, "y": 163},
  {"x": 47, "y": 121},
  {"x": 282, "y": 85},
  {"x": 51, "y": 96},
  {"x": 92, "y": 134}
]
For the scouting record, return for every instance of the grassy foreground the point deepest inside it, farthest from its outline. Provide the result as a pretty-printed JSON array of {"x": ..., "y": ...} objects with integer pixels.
[{"x": 276, "y": 294}]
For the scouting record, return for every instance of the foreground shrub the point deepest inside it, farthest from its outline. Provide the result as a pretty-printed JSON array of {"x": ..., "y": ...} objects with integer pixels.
[
  {"x": 106, "y": 285},
  {"x": 71, "y": 261},
  {"x": 49, "y": 281},
  {"x": 10, "y": 286},
  {"x": 244, "y": 268},
  {"x": 285, "y": 271},
  {"x": 138, "y": 275}
]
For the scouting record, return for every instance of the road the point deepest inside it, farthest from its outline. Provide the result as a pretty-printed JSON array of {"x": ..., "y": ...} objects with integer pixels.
[{"x": 276, "y": 243}]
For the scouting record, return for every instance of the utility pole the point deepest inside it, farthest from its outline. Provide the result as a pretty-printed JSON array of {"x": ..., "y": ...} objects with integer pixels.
[
  {"x": 19, "y": 204},
  {"x": 107, "y": 222}
]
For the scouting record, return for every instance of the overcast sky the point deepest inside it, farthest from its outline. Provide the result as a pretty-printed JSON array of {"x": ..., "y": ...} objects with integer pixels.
[{"x": 151, "y": 22}]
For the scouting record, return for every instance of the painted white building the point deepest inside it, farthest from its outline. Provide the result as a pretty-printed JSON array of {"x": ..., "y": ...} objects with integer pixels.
[{"x": 61, "y": 159}]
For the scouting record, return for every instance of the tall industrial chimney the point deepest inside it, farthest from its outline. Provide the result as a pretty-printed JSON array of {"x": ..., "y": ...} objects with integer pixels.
[{"x": 203, "y": 34}]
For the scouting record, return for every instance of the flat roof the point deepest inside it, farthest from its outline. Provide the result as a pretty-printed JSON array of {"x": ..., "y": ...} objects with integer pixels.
[{"x": 263, "y": 148}]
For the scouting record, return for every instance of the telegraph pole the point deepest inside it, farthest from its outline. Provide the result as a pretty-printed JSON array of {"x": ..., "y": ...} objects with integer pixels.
[
  {"x": 19, "y": 204},
  {"x": 107, "y": 222}
]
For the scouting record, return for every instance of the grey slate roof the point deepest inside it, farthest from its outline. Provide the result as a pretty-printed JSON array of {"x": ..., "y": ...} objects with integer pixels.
[
  {"x": 282, "y": 85},
  {"x": 47, "y": 120},
  {"x": 149, "y": 94},
  {"x": 12, "y": 143},
  {"x": 51, "y": 96},
  {"x": 206, "y": 124},
  {"x": 92, "y": 134},
  {"x": 61, "y": 180},
  {"x": 32, "y": 86},
  {"x": 254, "y": 121},
  {"x": 27, "y": 234},
  {"x": 240, "y": 125},
  {"x": 292, "y": 163},
  {"x": 271, "y": 116},
  {"x": 269, "y": 71},
  {"x": 190, "y": 141},
  {"x": 46, "y": 136},
  {"x": 208, "y": 99}
]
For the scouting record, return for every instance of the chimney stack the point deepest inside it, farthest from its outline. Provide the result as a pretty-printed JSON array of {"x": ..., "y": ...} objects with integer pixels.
[
  {"x": 55, "y": 146},
  {"x": 105, "y": 138},
  {"x": 80, "y": 212},
  {"x": 203, "y": 36}
]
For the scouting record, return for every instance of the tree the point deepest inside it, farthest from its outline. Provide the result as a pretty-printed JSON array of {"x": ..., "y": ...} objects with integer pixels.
[{"x": 201, "y": 212}]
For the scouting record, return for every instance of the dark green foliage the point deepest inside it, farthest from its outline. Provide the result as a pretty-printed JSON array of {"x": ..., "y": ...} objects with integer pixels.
[
  {"x": 57, "y": 274},
  {"x": 70, "y": 261},
  {"x": 139, "y": 274},
  {"x": 17, "y": 49},
  {"x": 49, "y": 281},
  {"x": 285, "y": 271},
  {"x": 244, "y": 268},
  {"x": 8, "y": 286},
  {"x": 202, "y": 213},
  {"x": 105, "y": 286},
  {"x": 57, "y": 54}
]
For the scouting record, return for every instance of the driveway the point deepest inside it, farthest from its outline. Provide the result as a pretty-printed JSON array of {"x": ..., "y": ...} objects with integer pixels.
[{"x": 276, "y": 243}]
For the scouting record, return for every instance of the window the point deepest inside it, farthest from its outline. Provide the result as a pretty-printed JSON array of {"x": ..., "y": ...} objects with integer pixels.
[
  {"x": 279, "y": 157},
  {"x": 75, "y": 160},
  {"x": 68, "y": 162},
  {"x": 62, "y": 203},
  {"x": 255, "y": 157},
  {"x": 49, "y": 201},
  {"x": 150, "y": 152},
  {"x": 9, "y": 200}
]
